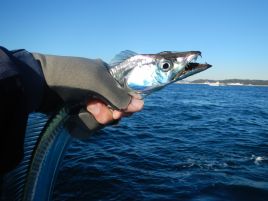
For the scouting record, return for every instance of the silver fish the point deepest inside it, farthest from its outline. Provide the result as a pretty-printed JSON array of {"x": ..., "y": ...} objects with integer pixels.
[{"x": 145, "y": 73}]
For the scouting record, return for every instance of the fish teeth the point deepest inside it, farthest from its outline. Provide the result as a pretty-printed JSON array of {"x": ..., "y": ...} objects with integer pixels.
[{"x": 192, "y": 57}]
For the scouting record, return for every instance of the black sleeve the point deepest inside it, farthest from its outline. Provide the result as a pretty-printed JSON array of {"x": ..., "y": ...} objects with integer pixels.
[
  {"x": 13, "y": 119},
  {"x": 13, "y": 115}
]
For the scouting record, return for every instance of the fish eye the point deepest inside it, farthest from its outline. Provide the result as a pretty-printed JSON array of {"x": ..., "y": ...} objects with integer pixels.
[{"x": 165, "y": 66}]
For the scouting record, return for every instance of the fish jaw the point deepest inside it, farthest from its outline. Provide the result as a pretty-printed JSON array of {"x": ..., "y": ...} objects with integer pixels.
[
  {"x": 191, "y": 69},
  {"x": 182, "y": 61}
]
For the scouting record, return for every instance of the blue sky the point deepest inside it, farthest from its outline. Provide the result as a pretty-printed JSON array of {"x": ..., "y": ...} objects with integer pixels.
[{"x": 232, "y": 34}]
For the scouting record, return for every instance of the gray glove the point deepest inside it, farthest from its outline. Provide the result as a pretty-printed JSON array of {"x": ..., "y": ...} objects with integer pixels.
[{"x": 74, "y": 80}]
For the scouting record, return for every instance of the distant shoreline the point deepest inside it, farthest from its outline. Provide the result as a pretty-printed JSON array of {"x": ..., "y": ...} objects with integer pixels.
[
  {"x": 242, "y": 85},
  {"x": 229, "y": 82}
]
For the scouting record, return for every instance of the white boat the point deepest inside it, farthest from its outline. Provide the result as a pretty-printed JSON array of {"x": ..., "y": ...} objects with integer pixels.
[
  {"x": 214, "y": 83},
  {"x": 235, "y": 84}
]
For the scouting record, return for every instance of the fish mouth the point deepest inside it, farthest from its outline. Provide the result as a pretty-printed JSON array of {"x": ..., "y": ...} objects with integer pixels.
[{"x": 192, "y": 67}]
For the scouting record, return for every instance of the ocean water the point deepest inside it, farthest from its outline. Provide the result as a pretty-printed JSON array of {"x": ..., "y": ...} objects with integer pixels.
[{"x": 191, "y": 142}]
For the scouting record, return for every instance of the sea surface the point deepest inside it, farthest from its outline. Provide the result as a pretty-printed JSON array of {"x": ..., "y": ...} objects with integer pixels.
[{"x": 191, "y": 142}]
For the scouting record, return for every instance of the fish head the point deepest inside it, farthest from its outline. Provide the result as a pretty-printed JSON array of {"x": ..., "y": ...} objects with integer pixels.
[
  {"x": 146, "y": 73},
  {"x": 169, "y": 64}
]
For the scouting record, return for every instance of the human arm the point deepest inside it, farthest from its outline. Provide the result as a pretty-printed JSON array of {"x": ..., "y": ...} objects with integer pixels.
[
  {"x": 84, "y": 81},
  {"x": 29, "y": 85}
]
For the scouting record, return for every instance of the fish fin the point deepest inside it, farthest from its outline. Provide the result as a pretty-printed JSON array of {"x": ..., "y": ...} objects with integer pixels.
[
  {"x": 122, "y": 56},
  {"x": 14, "y": 182}
]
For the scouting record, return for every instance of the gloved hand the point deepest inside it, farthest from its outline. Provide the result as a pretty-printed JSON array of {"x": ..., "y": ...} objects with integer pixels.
[{"x": 75, "y": 80}]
